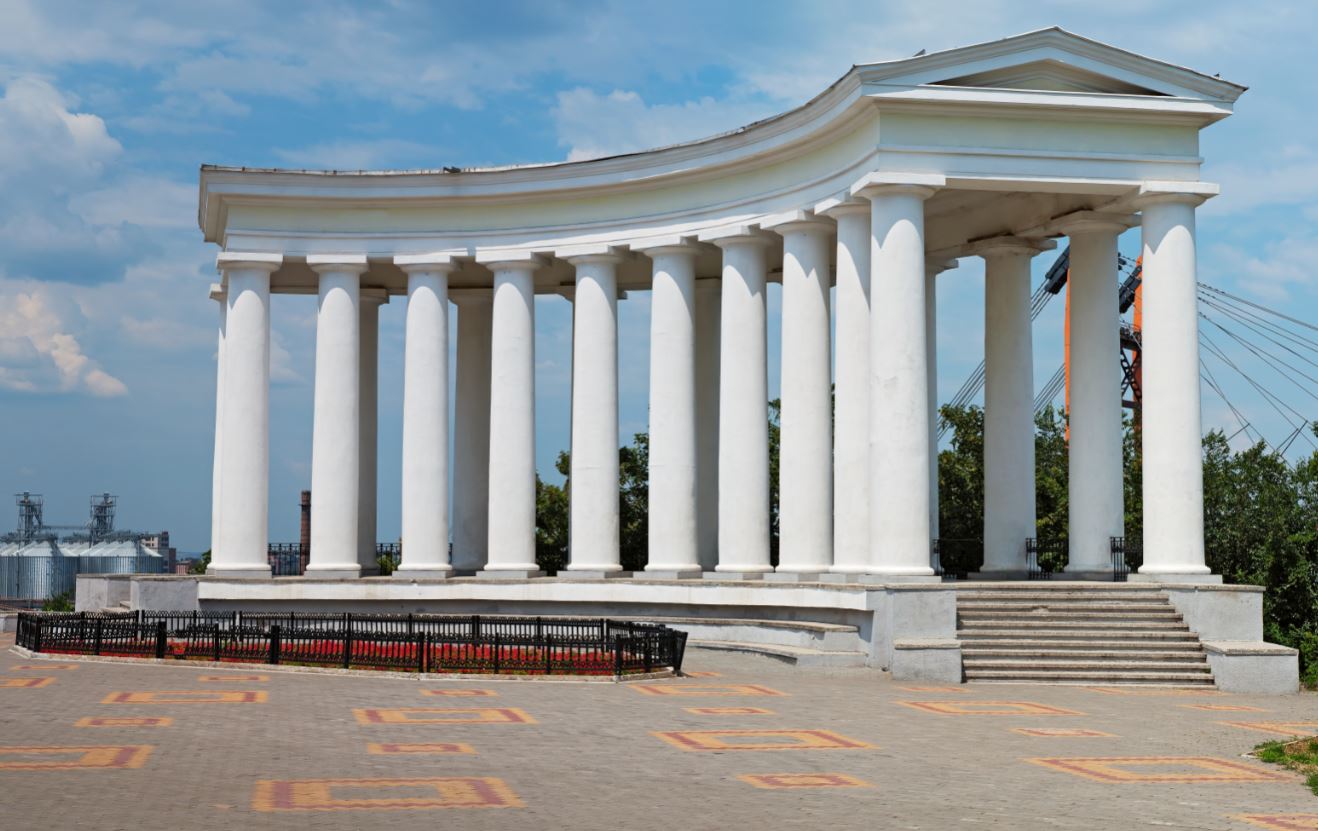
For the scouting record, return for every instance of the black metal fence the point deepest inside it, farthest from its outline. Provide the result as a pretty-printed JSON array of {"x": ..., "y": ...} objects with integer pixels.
[
  {"x": 414, "y": 643},
  {"x": 1127, "y": 556},
  {"x": 957, "y": 558},
  {"x": 1044, "y": 558}
]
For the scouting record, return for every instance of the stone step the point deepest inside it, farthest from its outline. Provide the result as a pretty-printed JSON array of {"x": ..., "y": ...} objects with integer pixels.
[
  {"x": 1079, "y": 665},
  {"x": 829, "y": 637},
  {"x": 1090, "y": 677},
  {"x": 806, "y": 658},
  {"x": 1032, "y": 617},
  {"x": 1058, "y": 597},
  {"x": 1055, "y": 623},
  {"x": 1078, "y": 633},
  {"x": 1071, "y": 608},
  {"x": 1078, "y": 644},
  {"x": 977, "y": 652}
]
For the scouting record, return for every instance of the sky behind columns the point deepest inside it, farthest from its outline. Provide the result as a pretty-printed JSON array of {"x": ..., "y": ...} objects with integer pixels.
[{"x": 107, "y": 337}]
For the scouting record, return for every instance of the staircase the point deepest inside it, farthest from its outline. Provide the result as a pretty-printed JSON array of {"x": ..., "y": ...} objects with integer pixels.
[{"x": 1076, "y": 633}]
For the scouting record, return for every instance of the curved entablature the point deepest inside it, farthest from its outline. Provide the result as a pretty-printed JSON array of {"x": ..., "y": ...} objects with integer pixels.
[{"x": 1019, "y": 131}]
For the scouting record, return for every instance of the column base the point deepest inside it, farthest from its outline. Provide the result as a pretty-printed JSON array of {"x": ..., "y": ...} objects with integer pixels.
[
  {"x": 422, "y": 573},
  {"x": 1173, "y": 577},
  {"x": 1004, "y": 574},
  {"x": 334, "y": 572},
  {"x": 669, "y": 574},
  {"x": 254, "y": 573},
  {"x": 880, "y": 579},
  {"x": 592, "y": 574},
  {"x": 1092, "y": 575},
  {"x": 792, "y": 577},
  {"x": 509, "y": 574},
  {"x": 734, "y": 575}
]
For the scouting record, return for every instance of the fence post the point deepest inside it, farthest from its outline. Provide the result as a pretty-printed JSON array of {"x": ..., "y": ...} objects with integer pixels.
[
  {"x": 96, "y": 638},
  {"x": 649, "y": 659},
  {"x": 138, "y": 614},
  {"x": 421, "y": 644},
  {"x": 539, "y": 627},
  {"x": 475, "y": 626},
  {"x": 36, "y": 634},
  {"x": 617, "y": 657},
  {"x": 496, "y": 655},
  {"x": 549, "y": 653},
  {"x": 347, "y": 643},
  {"x": 274, "y": 643},
  {"x": 161, "y": 637},
  {"x": 215, "y": 643}
]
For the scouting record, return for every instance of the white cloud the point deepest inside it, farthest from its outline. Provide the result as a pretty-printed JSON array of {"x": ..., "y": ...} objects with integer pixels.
[
  {"x": 148, "y": 201},
  {"x": 49, "y": 358},
  {"x": 591, "y": 125}
]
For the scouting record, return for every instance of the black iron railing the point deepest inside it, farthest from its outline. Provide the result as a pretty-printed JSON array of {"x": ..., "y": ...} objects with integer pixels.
[
  {"x": 957, "y": 558},
  {"x": 417, "y": 643},
  {"x": 1044, "y": 558},
  {"x": 287, "y": 559},
  {"x": 1127, "y": 556}
]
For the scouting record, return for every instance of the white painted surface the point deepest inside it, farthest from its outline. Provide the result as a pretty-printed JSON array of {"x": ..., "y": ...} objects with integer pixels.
[
  {"x": 1094, "y": 461},
  {"x": 899, "y": 421},
  {"x": 673, "y": 532},
  {"x": 471, "y": 448},
  {"x": 368, "y": 432},
  {"x": 335, "y": 433},
  {"x": 743, "y": 493},
  {"x": 245, "y": 469},
  {"x": 217, "y": 523},
  {"x": 1172, "y": 457},
  {"x": 593, "y": 506},
  {"x": 709, "y": 314},
  {"x": 851, "y": 446},
  {"x": 805, "y": 486},
  {"x": 512, "y": 419},
  {"x": 1008, "y": 405},
  {"x": 425, "y": 486}
]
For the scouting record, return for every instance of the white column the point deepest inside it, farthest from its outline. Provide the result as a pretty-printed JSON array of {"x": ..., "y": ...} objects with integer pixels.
[
  {"x": 512, "y": 419},
  {"x": 335, "y": 432},
  {"x": 851, "y": 397},
  {"x": 471, "y": 427},
  {"x": 900, "y": 541},
  {"x": 805, "y": 461},
  {"x": 245, "y": 418},
  {"x": 743, "y": 493},
  {"x": 368, "y": 428},
  {"x": 674, "y": 544},
  {"x": 1009, "y": 495},
  {"x": 425, "y": 486},
  {"x": 1095, "y": 487},
  {"x": 217, "y": 525},
  {"x": 709, "y": 315},
  {"x": 1172, "y": 432},
  {"x": 931, "y": 271},
  {"x": 593, "y": 506}
]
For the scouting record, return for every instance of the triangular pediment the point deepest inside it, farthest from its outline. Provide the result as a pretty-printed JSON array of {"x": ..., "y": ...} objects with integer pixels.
[{"x": 1050, "y": 60}]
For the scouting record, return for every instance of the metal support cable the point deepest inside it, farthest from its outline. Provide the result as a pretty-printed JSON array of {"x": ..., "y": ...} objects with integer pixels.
[
  {"x": 1269, "y": 359},
  {"x": 1296, "y": 321},
  {"x": 1273, "y": 401},
  {"x": 1236, "y": 316},
  {"x": 1260, "y": 320}
]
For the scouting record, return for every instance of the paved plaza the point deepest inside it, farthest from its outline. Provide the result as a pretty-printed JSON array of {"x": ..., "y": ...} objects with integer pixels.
[{"x": 745, "y": 740}]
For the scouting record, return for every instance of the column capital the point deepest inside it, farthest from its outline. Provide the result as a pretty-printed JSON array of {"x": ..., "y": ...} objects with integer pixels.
[
  {"x": 1161, "y": 193},
  {"x": 218, "y": 292},
  {"x": 799, "y": 220},
  {"x": 427, "y": 263},
  {"x": 843, "y": 205},
  {"x": 672, "y": 244},
  {"x": 1008, "y": 247},
  {"x": 509, "y": 260},
  {"x": 884, "y": 183},
  {"x": 1093, "y": 222},
  {"x": 324, "y": 264},
  {"x": 231, "y": 260},
  {"x": 731, "y": 235}
]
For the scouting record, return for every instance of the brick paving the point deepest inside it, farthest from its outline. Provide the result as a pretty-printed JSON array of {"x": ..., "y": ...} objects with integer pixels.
[{"x": 838, "y": 749}]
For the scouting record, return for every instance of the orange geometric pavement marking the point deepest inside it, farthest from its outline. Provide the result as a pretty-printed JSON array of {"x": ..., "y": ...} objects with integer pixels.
[
  {"x": 1115, "y": 769},
  {"x": 43, "y": 667},
  {"x": 989, "y": 708},
  {"x": 391, "y": 748},
  {"x": 1281, "y": 728},
  {"x": 935, "y": 689},
  {"x": 703, "y": 674},
  {"x": 461, "y": 693},
  {"x": 443, "y": 715},
  {"x": 1063, "y": 732},
  {"x": 1282, "y": 822},
  {"x": 799, "y": 740},
  {"x": 187, "y": 697},
  {"x": 25, "y": 683},
  {"x": 729, "y": 711},
  {"x": 416, "y": 794},
  {"x": 1153, "y": 691},
  {"x": 128, "y": 721},
  {"x": 778, "y": 781},
  {"x": 1244, "y": 708},
  {"x": 261, "y": 679},
  {"x": 704, "y": 689},
  {"x": 103, "y": 757}
]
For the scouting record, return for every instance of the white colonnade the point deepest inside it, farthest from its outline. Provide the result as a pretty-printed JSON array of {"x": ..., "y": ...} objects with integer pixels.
[{"x": 858, "y": 460}]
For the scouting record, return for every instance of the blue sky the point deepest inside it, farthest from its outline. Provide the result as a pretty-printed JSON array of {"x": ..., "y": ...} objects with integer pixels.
[{"x": 106, "y": 335}]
